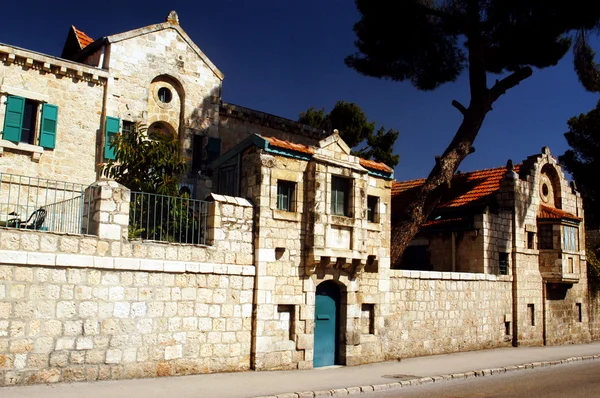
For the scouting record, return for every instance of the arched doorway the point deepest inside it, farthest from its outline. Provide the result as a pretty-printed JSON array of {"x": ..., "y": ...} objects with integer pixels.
[{"x": 327, "y": 324}]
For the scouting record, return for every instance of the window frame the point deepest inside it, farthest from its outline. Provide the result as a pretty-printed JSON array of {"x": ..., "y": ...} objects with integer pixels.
[
  {"x": 37, "y": 122},
  {"x": 373, "y": 209},
  {"x": 286, "y": 203},
  {"x": 545, "y": 237},
  {"x": 503, "y": 263},
  {"x": 340, "y": 185},
  {"x": 570, "y": 240}
]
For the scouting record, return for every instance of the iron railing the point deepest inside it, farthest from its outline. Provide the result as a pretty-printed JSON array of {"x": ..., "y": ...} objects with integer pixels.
[
  {"x": 167, "y": 218},
  {"x": 43, "y": 205}
]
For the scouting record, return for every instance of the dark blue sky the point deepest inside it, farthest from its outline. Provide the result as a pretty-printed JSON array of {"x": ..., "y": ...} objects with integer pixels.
[{"x": 281, "y": 56}]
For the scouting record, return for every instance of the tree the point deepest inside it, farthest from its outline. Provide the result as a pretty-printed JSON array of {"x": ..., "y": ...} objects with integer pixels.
[
  {"x": 586, "y": 67},
  {"x": 431, "y": 42},
  {"x": 583, "y": 161},
  {"x": 355, "y": 129},
  {"x": 146, "y": 165}
]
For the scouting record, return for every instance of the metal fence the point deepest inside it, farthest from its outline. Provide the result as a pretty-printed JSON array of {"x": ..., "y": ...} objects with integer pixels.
[
  {"x": 167, "y": 218},
  {"x": 43, "y": 205}
]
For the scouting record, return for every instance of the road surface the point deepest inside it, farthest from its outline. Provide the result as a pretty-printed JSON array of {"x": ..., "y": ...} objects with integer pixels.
[{"x": 573, "y": 380}]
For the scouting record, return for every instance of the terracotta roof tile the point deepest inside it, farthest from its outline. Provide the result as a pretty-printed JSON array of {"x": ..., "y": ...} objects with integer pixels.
[
  {"x": 83, "y": 39},
  {"x": 466, "y": 189},
  {"x": 371, "y": 164},
  {"x": 443, "y": 222},
  {"x": 277, "y": 143},
  {"x": 546, "y": 212},
  {"x": 289, "y": 145}
]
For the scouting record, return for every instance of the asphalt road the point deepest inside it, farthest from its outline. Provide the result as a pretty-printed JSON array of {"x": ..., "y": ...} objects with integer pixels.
[{"x": 573, "y": 380}]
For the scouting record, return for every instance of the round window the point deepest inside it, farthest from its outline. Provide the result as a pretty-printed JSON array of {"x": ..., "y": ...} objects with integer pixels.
[
  {"x": 545, "y": 190},
  {"x": 164, "y": 95}
]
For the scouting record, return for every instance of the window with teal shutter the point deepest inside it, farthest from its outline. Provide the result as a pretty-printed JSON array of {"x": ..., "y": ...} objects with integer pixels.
[
  {"x": 48, "y": 130},
  {"x": 13, "y": 120},
  {"x": 213, "y": 149},
  {"x": 111, "y": 128}
]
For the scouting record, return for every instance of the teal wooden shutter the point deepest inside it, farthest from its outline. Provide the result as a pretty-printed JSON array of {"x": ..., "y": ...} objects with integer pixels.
[
  {"x": 13, "y": 120},
  {"x": 213, "y": 149},
  {"x": 48, "y": 130},
  {"x": 111, "y": 128}
]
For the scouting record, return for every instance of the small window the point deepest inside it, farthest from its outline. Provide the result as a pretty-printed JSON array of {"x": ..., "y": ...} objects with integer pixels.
[
  {"x": 127, "y": 127},
  {"x": 21, "y": 122},
  {"x": 372, "y": 208},
  {"x": 531, "y": 313},
  {"x": 286, "y": 192},
  {"x": 570, "y": 241},
  {"x": 545, "y": 237},
  {"x": 165, "y": 95},
  {"x": 503, "y": 263},
  {"x": 227, "y": 181},
  {"x": 507, "y": 330},
  {"x": 340, "y": 196},
  {"x": 530, "y": 240},
  {"x": 367, "y": 319},
  {"x": 579, "y": 312}
]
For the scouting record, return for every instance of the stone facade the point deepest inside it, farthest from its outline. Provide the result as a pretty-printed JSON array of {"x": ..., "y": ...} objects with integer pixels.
[
  {"x": 296, "y": 270},
  {"x": 525, "y": 222}
]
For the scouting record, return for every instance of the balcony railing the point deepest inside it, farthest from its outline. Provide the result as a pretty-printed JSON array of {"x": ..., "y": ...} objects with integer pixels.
[
  {"x": 43, "y": 205},
  {"x": 167, "y": 218}
]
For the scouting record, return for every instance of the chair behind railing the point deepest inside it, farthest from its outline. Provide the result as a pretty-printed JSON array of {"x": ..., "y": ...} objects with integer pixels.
[{"x": 44, "y": 205}]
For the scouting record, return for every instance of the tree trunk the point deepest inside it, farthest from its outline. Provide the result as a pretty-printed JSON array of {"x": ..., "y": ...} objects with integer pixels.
[{"x": 430, "y": 193}]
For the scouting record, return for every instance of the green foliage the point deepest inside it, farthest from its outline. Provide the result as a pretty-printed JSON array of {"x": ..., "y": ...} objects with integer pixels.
[
  {"x": 355, "y": 129},
  {"x": 422, "y": 40},
  {"x": 583, "y": 161},
  {"x": 593, "y": 268},
  {"x": 151, "y": 167},
  {"x": 147, "y": 165},
  {"x": 587, "y": 70}
]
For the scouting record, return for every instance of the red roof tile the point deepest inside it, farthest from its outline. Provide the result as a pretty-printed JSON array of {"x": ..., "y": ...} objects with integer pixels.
[
  {"x": 465, "y": 189},
  {"x": 371, "y": 164},
  {"x": 289, "y": 145},
  {"x": 552, "y": 213},
  {"x": 83, "y": 39}
]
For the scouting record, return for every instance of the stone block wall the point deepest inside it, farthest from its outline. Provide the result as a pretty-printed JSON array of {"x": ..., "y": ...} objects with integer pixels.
[
  {"x": 442, "y": 312},
  {"x": 83, "y": 307},
  {"x": 594, "y": 312}
]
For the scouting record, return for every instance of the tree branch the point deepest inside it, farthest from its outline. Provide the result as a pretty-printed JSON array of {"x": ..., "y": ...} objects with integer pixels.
[
  {"x": 477, "y": 72},
  {"x": 461, "y": 108},
  {"x": 509, "y": 82},
  {"x": 435, "y": 12}
]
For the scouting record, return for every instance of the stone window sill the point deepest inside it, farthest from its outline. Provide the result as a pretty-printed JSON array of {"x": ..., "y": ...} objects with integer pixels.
[
  {"x": 373, "y": 226},
  {"x": 35, "y": 150},
  {"x": 286, "y": 215}
]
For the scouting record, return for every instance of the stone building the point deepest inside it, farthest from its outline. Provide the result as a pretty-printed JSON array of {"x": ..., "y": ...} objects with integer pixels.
[
  {"x": 524, "y": 223},
  {"x": 292, "y": 268}
]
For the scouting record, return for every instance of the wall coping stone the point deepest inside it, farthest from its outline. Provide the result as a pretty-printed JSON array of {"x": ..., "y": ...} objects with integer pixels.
[
  {"x": 19, "y": 257},
  {"x": 458, "y": 276},
  {"x": 231, "y": 199}
]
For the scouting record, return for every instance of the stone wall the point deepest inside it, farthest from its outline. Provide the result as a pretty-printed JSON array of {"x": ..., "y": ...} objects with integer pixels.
[
  {"x": 77, "y": 90},
  {"x": 83, "y": 307},
  {"x": 237, "y": 122},
  {"x": 594, "y": 313},
  {"x": 442, "y": 312}
]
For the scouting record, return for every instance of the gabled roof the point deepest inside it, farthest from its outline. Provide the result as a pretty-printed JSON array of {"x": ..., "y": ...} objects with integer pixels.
[
  {"x": 83, "y": 39},
  {"x": 291, "y": 149},
  {"x": 466, "y": 189}
]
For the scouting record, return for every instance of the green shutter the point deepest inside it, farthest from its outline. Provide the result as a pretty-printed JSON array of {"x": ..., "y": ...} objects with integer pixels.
[
  {"x": 213, "y": 149},
  {"x": 13, "y": 120},
  {"x": 48, "y": 130},
  {"x": 111, "y": 128}
]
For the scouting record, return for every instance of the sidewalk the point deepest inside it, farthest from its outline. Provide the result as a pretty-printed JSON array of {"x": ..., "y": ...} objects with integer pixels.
[{"x": 253, "y": 384}]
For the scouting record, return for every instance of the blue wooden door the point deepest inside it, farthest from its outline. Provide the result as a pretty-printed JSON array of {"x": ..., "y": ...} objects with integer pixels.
[{"x": 326, "y": 324}]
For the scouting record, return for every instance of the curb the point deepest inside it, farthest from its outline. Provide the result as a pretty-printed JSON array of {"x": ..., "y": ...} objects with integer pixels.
[{"x": 341, "y": 392}]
